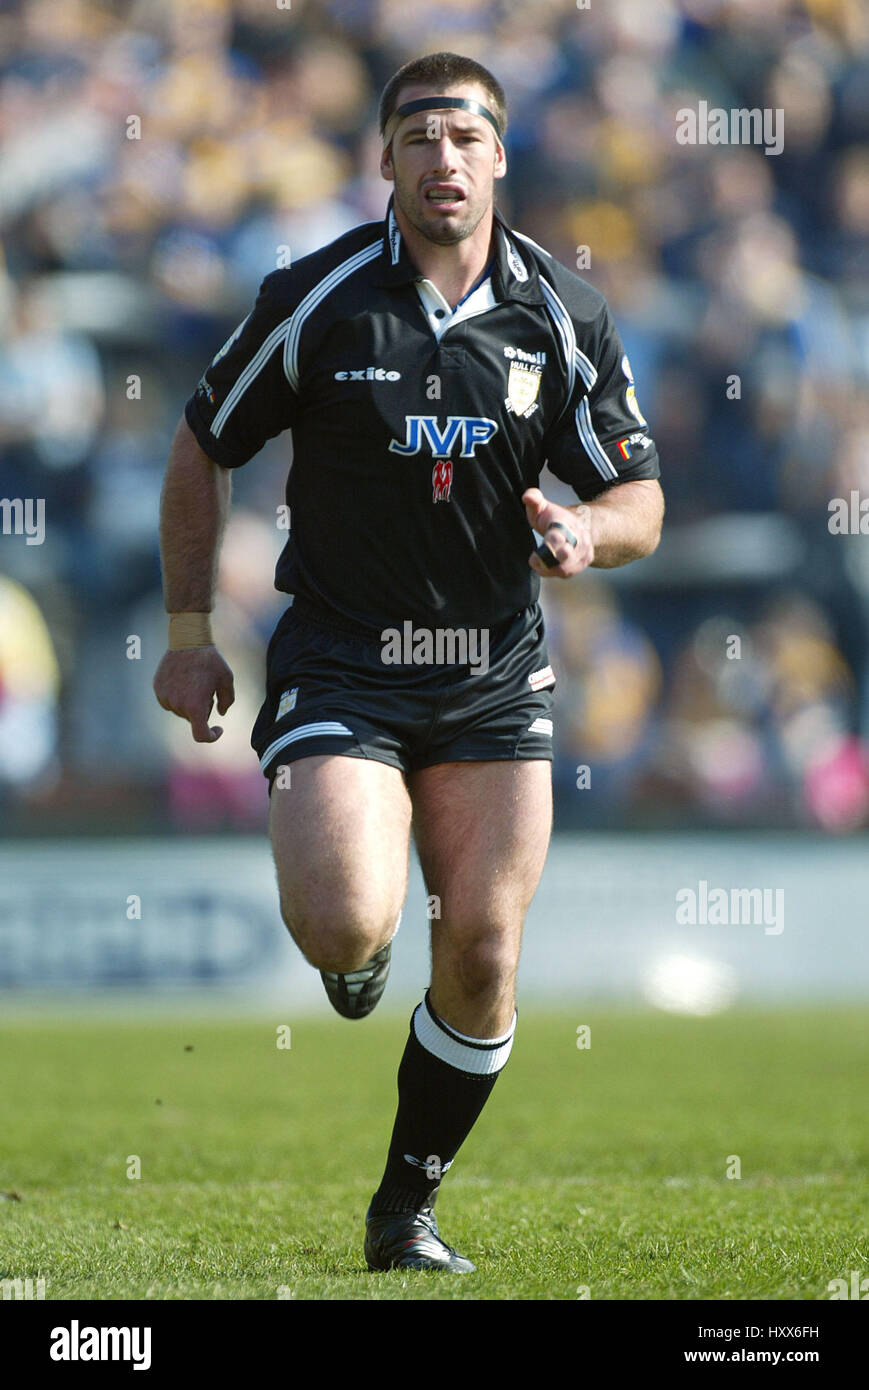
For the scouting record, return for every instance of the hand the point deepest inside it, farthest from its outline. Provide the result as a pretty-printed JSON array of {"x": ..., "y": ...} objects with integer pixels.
[
  {"x": 186, "y": 684},
  {"x": 572, "y": 559}
]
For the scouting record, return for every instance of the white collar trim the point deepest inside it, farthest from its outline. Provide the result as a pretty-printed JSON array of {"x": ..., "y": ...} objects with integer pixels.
[{"x": 438, "y": 311}]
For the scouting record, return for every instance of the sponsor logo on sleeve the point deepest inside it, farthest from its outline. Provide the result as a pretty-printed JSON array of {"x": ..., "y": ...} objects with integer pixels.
[{"x": 627, "y": 447}]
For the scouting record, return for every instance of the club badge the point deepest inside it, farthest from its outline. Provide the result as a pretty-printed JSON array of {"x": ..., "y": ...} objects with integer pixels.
[
  {"x": 523, "y": 384},
  {"x": 631, "y": 393}
]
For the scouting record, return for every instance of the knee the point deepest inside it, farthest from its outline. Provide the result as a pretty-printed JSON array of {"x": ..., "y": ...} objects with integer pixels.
[
  {"x": 337, "y": 941},
  {"x": 486, "y": 963}
]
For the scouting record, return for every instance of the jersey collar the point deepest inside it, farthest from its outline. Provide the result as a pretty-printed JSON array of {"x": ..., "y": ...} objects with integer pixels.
[{"x": 514, "y": 274}]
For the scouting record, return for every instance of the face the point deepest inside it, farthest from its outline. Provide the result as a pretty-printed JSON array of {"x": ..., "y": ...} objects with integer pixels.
[{"x": 443, "y": 165}]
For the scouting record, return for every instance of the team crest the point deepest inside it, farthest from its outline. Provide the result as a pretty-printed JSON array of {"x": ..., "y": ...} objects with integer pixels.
[
  {"x": 441, "y": 480},
  {"x": 631, "y": 394},
  {"x": 523, "y": 384}
]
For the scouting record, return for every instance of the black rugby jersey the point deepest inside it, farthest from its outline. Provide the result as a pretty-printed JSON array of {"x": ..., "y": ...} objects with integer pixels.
[{"x": 413, "y": 442}]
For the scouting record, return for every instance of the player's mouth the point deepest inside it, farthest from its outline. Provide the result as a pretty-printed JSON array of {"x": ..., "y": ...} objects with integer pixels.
[{"x": 443, "y": 195}]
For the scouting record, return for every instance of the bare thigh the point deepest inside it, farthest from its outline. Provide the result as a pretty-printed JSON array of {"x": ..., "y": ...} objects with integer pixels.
[
  {"x": 340, "y": 837},
  {"x": 482, "y": 831}
]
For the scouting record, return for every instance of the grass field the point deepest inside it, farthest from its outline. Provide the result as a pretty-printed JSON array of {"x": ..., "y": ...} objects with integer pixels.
[{"x": 602, "y": 1168}]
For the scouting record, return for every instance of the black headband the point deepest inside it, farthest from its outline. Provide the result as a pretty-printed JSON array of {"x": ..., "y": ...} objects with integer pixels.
[{"x": 476, "y": 108}]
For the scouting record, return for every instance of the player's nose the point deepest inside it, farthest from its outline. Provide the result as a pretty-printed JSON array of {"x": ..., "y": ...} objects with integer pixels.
[{"x": 443, "y": 156}]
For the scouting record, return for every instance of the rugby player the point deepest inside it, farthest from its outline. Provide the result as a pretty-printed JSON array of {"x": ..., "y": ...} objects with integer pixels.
[{"x": 428, "y": 367}]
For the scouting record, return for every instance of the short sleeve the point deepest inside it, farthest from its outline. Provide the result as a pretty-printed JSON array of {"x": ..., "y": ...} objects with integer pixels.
[
  {"x": 602, "y": 438},
  {"x": 244, "y": 397}
]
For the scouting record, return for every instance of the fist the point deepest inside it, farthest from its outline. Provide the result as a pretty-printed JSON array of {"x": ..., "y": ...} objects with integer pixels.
[
  {"x": 566, "y": 533},
  {"x": 187, "y": 684}
]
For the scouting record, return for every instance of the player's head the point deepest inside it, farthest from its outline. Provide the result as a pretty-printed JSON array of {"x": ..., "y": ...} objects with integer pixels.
[{"x": 443, "y": 158}]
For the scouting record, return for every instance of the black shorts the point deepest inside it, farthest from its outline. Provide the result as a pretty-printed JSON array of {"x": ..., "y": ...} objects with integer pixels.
[{"x": 330, "y": 690}]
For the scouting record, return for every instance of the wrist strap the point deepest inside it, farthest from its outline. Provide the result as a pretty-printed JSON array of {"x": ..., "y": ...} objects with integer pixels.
[{"x": 189, "y": 630}]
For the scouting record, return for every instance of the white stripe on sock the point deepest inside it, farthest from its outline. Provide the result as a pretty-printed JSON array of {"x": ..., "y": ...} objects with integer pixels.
[{"x": 481, "y": 1056}]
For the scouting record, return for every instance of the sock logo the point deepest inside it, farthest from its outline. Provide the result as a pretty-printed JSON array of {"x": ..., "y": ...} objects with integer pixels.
[{"x": 434, "y": 1169}]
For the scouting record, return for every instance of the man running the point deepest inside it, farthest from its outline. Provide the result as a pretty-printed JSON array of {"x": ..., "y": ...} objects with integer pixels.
[{"x": 428, "y": 368}]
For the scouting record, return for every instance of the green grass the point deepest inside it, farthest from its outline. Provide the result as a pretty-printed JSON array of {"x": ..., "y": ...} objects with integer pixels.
[{"x": 602, "y": 1168}]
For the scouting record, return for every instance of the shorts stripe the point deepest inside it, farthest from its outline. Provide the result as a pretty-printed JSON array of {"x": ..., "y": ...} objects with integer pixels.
[
  {"x": 304, "y": 731},
  {"x": 541, "y": 726}
]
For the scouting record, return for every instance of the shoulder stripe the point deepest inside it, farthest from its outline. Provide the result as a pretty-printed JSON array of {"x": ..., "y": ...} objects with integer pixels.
[
  {"x": 250, "y": 373},
  {"x": 586, "y": 369},
  {"x": 287, "y": 332},
  {"x": 591, "y": 443},
  {"x": 564, "y": 324},
  {"x": 315, "y": 297}
]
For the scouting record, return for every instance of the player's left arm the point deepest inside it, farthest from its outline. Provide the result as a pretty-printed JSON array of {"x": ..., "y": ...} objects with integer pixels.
[{"x": 602, "y": 448}]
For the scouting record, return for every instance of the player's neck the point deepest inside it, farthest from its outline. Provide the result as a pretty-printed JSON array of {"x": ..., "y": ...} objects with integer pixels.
[{"x": 452, "y": 269}]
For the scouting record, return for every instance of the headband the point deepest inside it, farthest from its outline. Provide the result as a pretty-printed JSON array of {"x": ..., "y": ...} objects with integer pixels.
[{"x": 476, "y": 108}]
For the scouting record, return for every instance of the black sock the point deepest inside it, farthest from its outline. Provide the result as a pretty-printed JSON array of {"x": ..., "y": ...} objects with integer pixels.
[{"x": 444, "y": 1081}]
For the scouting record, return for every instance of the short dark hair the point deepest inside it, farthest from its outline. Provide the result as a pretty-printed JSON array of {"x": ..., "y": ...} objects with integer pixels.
[{"x": 443, "y": 70}]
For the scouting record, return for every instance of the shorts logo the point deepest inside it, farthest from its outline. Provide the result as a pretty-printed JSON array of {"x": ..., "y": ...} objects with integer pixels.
[
  {"x": 441, "y": 480},
  {"x": 539, "y": 680},
  {"x": 369, "y": 374},
  {"x": 288, "y": 701},
  {"x": 471, "y": 430},
  {"x": 523, "y": 384}
]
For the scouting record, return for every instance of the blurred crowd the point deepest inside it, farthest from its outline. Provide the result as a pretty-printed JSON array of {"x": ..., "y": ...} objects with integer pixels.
[{"x": 159, "y": 157}]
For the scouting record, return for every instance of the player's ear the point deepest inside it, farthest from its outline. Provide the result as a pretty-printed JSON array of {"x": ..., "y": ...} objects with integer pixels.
[
  {"x": 500, "y": 160},
  {"x": 386, "y": 170}
]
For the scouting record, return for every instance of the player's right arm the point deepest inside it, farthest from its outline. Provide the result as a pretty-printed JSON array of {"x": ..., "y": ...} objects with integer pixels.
[
  {"x": 243, "y": 399},
  {"x": 193, "y": 511}
]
